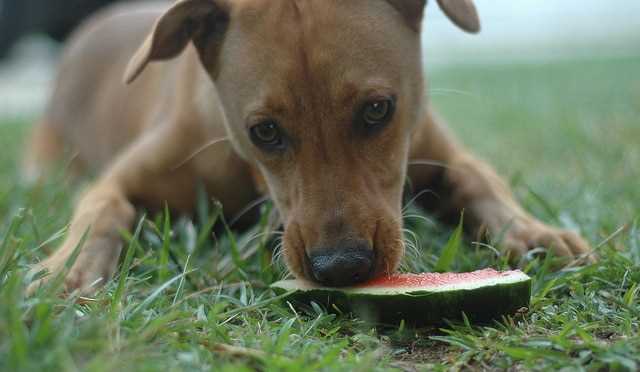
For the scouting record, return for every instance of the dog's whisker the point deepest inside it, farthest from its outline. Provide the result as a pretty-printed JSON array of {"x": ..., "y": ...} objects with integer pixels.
[
  {"x": 446, "y": 91},
  {"x": 411, "y": 234},
  {"x": 225, "y": 265},
  {"x": 427, "y": 220},
  {"x": 433, "y": 163},
  {"x": 410, "y": 244},
  {"x": 277, "y": 249},
  {"x": 410, "y": 248},
  {"x": 199, "y": 151},
  {"x": 277, "y": 260},
  {"x": 409, "y": 241},
  {"x": 248, "y": 208},
  {"x": 259, "y": 235},
  {"x": 489, "y": 247},
  {"x": 416, "y": 197},
  {"x": 410, "y": 253},
  {"x": 278, "y": 253}
]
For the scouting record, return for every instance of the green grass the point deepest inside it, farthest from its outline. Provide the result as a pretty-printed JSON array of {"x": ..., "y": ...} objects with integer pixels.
[{"x": 565, "y": 134}]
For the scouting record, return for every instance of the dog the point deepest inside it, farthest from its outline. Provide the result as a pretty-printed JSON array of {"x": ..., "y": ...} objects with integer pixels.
[{"x": 320, "y": 105}]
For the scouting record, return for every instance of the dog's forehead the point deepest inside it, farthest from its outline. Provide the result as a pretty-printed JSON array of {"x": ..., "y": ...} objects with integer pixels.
[
  {"x": 319, "y": 25},
  {"x": 337, "y": 48}
]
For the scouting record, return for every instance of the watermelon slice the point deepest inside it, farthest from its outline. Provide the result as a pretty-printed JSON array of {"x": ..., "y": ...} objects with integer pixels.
[{"x": 421, "y": 299}]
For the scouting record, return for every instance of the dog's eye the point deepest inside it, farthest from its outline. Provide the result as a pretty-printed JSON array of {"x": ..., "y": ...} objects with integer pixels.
[
  {"x": 378, "y": 112},
  {"x": 267, "y": 135}
]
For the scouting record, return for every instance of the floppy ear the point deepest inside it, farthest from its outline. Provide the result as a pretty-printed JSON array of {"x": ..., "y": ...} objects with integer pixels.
[
  {"x": 463, "y": 13},
  {"x": 411, "y": 10},
  {"x": 200, "y": 21}
]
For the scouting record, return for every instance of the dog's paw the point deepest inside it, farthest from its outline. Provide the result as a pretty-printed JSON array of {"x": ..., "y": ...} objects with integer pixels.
[
  {"x": 525, "y": 236},
  {"x": 93, "y": 267}
]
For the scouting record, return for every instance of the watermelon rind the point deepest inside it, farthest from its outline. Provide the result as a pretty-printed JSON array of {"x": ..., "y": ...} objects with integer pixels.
[{"x": 480, "y": 300}]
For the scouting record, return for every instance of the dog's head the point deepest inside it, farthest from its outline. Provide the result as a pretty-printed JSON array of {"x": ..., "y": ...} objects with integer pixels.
[{"x": 322, "y": 96}]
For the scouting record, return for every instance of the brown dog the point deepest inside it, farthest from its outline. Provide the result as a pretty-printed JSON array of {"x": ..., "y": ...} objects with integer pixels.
[{"x": 318, "y": 103}]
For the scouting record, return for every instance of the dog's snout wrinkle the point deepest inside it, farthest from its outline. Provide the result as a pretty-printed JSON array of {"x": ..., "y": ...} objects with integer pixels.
[{"x": 342, "y": 266}]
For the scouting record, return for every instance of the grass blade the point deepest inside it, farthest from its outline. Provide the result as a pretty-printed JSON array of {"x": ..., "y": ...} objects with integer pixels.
[
  {"x": 8, "y": 250},
  {"x": 630, "y": 297},
  {"x": 147, "y": 301},
  {"x": 163, "y": 273},
  {"x": 181, "y": 284},
  {"x": 450, "y": 250},
  {"x": 126, "y": 265}
]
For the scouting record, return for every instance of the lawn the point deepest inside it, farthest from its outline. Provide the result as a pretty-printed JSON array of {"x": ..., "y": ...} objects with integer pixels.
[{"x": 565, "y": 134}]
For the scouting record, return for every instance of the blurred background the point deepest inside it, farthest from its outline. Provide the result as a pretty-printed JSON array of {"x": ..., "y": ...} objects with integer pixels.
[
  {"x": 538, "y": 31},
  {"x": 513, "y": 32}
]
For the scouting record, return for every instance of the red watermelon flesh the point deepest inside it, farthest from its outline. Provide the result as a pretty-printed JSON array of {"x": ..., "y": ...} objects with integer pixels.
[
  {"x": 437, "y": 279},
  {"x": 432, "y": 282}
]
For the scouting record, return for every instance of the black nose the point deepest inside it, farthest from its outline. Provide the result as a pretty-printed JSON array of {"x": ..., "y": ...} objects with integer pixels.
[{"x": 343, "y": 266}]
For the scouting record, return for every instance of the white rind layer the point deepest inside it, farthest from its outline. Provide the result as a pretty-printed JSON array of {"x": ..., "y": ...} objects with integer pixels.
[{"x": 510, "y": 278}]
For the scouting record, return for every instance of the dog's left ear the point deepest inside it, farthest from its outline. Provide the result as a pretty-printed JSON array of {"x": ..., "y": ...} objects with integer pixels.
[
  {"x": 463, "y": 13},
  {"x": 200, "y": 21}
]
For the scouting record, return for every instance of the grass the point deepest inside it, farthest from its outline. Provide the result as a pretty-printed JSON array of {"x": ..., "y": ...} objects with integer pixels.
[{"x": 565, "y": 134}]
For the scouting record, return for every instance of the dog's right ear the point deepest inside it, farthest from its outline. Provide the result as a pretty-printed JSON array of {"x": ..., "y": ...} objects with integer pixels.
[{"x": 199, "y": 21}]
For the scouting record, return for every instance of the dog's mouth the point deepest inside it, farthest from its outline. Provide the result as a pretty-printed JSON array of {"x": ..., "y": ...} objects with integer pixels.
[{"x": 348, "y": 263}]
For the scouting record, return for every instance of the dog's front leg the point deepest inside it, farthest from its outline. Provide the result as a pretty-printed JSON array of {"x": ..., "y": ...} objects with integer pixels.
[
  {"x": 144, "y": 172},
  {"x": 102, "y": 213},
  {"x": 457, "y": 181}
]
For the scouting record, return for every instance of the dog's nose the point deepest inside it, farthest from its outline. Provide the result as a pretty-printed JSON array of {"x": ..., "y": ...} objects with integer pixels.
[{"x": 342, "y": 266}]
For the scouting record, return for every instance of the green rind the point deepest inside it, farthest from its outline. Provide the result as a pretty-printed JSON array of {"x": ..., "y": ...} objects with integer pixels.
[{"x": 422, "y": 307}]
